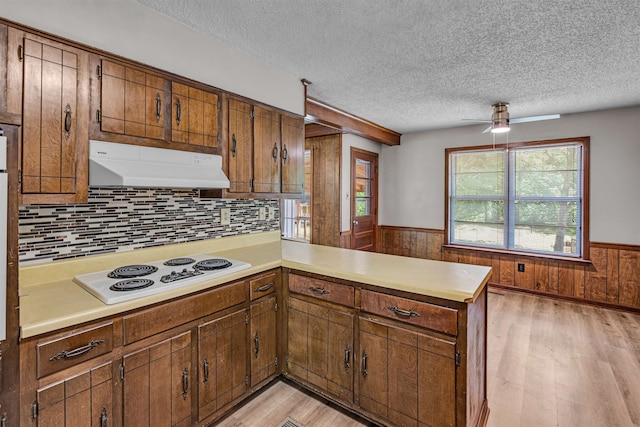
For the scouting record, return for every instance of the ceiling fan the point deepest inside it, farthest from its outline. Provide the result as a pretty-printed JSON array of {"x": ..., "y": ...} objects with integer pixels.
[{"x": 500, "y": 119}]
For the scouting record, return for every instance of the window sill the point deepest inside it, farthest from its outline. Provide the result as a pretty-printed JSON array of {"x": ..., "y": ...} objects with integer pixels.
[{"x": 581, "y": 261}]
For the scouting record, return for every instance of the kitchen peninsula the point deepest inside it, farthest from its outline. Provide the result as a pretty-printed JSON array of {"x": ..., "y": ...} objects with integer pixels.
[{"x": 398, "y": 340}]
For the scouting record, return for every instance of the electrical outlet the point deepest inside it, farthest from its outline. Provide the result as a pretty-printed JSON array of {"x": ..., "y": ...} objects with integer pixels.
[
  {"x": 272, "y": 213},
  {"x": 262, "y": 213},
  {"x": 225, "y": 216},
  {"x": 521, "y": 267}
]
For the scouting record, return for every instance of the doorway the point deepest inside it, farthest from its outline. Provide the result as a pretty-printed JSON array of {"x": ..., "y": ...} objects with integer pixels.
[{"x": 364, "y": 199}]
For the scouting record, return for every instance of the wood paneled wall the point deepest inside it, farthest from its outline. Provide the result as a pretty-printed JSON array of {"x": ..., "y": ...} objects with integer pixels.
[
  {"x": 613, "y": 277},
  {"x": 325, "y": 190}
]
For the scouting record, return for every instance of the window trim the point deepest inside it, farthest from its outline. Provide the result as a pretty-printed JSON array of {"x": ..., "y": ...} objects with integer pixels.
[{"x": 585, "y": 243}]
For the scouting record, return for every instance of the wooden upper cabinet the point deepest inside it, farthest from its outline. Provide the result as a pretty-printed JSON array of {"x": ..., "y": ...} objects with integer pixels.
[
  {"x": 292, "y": 154},
  {"x": 131, "y": 101},
  {"x": 266, "y": 151},
  {"x": 194, "y": 116},
  {"x": 240, "y": 141},
  {"x": 52, "y": 82}
]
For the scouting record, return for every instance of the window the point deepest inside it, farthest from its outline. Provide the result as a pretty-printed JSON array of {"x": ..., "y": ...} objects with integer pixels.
[{"x": 525, "y": 197}]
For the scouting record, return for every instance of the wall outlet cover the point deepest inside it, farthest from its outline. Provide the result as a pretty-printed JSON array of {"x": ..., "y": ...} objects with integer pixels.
[
  {"x": 262, "y": 213},
  {"x": 272, "y": 213},
  {"x": 225, "y": 216}
]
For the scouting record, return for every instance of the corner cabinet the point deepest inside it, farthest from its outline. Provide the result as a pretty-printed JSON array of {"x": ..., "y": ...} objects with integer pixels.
[
  {"x": 264, "y": 150},
  {"x": 400, "y": 360},
  {"x": 48, "y": 84}
]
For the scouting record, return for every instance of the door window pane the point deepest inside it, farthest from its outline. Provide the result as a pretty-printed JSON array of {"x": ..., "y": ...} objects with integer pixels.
[
  {"x": 363, "y": 187},
  {"x": 363, "y": 169},
  {"x": 363, "y": 206}
]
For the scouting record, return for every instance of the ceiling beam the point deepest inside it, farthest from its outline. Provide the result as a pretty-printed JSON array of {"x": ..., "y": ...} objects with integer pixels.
[{"x": 324, "y": 114}]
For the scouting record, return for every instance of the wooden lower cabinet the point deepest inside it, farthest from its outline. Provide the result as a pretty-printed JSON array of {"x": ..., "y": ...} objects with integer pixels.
[
  {"x": 157, "y": 384},
  {"x": 222, "y": 356},
  {"x": 83, "y": 400},
  {"x": 263, "y": 340},
  {"x": 320, "y": 347},
  {"x": 406, "y": 377}
]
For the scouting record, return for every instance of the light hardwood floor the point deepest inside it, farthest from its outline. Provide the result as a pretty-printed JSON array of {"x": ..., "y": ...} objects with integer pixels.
[{"x": 550, "y": 363}]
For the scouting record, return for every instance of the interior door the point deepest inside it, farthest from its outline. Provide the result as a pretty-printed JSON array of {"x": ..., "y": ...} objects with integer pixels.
[{"x": 364, "y": 199}]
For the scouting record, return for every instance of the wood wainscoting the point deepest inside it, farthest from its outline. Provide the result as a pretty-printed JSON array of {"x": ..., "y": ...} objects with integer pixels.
[{"x": 612, "y": 278}]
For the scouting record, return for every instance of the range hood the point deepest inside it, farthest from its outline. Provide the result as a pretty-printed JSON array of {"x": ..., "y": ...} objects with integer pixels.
[{"x": 123, "y": 165}]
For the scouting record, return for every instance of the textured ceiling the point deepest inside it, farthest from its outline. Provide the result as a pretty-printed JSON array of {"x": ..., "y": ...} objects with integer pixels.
[{"x": 417, "y": 65}]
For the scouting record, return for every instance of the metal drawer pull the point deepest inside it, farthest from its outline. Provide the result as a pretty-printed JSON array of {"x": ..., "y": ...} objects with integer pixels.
[
  {"x": 347, "y": 358},
  {"x": 158, "y": 107},
  {"x": 264, "y": 287},
  {"x": 103, "y": 417},
  {"x": 185, "y": 383},
  {"x": 205, "y": 370},
  {"x": 318, "y": 290},
  {"x": 178, "y": 112},
  {"x": 256, "y": 340},
  {"x": 67, "y": 121},
  {"x": 364, "y": 363},
  {"x": 234, "y": 147},
  {"x": 63, "y": 355},
  {"x": 401, "y": 312}
]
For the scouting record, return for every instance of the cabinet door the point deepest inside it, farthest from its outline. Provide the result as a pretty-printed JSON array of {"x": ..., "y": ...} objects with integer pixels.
[
  {"x": 320, "y": 347},
  {"x": 239, "y": 146},
  {"x": 266, "y": 151},
  {"x": 194, "y": 116},
  {"x": 263, "y": 340},
  {"x": 132, "y": 101},
  {"x": 55, "y": 122},
  {"x": 84, "y": 400},
  {"x": 157, "y": 384},
  {"x": 292, "y": 154},
  {"x": 222, "y": 355},
  {"x": 406, "y": 377}
]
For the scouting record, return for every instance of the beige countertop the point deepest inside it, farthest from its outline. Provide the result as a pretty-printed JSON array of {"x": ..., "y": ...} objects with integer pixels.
[{"x": 50, "y": 300}]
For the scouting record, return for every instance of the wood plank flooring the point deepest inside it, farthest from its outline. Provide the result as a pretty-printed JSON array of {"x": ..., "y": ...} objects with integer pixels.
[{"x": 550, "y": 363}]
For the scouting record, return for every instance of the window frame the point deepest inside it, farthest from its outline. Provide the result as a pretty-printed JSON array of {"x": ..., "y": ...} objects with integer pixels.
[{"x": 584, "y": 141}]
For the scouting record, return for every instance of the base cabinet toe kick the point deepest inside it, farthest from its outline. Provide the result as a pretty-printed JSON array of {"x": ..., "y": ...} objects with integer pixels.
[{"x": 395, "y": 358}]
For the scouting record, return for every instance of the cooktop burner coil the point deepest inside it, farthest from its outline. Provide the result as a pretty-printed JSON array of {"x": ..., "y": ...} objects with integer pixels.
[
  {"x": 131, "y": 285},
  {"x": 129, "y": 271},
  {"x": 179, "y": 261},
  {"x": 212, "y": 264}
]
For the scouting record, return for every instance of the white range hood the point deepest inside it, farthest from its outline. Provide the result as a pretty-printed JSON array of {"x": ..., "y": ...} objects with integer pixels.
[{"x": 123, "y": 165}]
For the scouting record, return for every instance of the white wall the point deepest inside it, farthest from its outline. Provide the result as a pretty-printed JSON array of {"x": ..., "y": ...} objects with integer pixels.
[
  {"x": 412, "y": 178},
  {"x": 137, "y": 32},
  {"x": 348, "y": 141}
]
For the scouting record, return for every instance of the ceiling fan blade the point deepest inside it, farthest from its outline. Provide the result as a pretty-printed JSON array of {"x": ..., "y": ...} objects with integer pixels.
[
  {"x": 534, "y": 118},
  {"x": 476, "y": 121},
  {"x": 487, "y": 129}
]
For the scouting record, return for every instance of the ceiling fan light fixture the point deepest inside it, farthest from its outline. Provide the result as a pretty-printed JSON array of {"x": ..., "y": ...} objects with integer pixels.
[{"x": 500, "y": 126}]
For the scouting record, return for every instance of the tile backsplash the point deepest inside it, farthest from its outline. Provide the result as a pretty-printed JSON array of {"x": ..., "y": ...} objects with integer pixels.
[{"x": 121, "y": 219}]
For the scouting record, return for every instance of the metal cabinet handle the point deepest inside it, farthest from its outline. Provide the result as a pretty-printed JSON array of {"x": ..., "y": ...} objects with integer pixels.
[
  {"x": 285, "y": 153},
  {"x": 158, "y": 107},
  {"x": 178, "y": 112},
  {"x": 185, "y": 383},
  {"x": 364, "y": 363},
  {"x": 256, "y": 340},
  {"x": 234, "y": 147},
  {"x": 275, "y": 151},
  {"x": 319, "y": 290},
  {"x": 3, "y": 420},
  {"x": 401, "y": 312},
  {"x": 67, "y": 121},
  {"x": 205, "y": 370},
  {"x": 347, "y": 358},
  {"x": 103, "y": 417},
  {"x": 264, "y": 287},
  {"x": 63, "y": 355}
]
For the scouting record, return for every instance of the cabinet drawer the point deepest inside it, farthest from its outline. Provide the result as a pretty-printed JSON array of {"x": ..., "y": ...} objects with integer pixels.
[
  {"x": 321, "y": 289},
  {"x": 417, "y": 313},
  {"x": 264, "y": 285},
  {"x": 61, "y": 353},
  {"x": 159, "y": 319}
]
